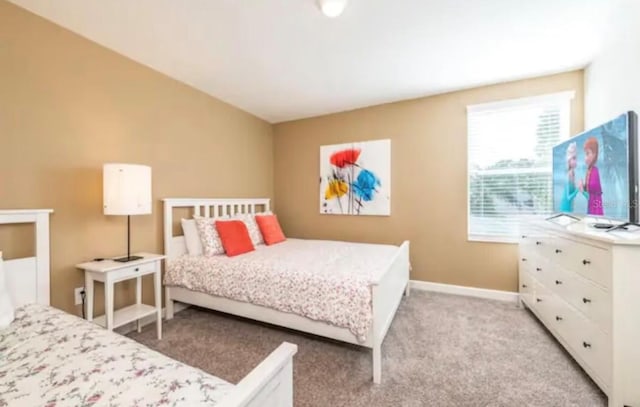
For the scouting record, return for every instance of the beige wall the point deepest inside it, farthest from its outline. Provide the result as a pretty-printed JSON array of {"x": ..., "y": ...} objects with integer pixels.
[
  {"x": 429, "y": 180},
  {"x": 68, "y": 105},
  {"x": 612, "y": 80}
]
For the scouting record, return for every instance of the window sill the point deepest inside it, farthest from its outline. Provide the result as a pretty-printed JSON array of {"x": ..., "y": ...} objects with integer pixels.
[{"x": 492, "y": 239}]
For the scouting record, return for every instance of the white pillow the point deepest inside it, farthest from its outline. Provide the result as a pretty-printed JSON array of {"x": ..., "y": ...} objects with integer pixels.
[
  {"x": 191, "y": 237},
  {"x": 6, "y": 308}
]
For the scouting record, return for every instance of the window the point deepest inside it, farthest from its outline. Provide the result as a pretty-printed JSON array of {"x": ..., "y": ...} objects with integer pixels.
[{"x": 509, "y": 162}]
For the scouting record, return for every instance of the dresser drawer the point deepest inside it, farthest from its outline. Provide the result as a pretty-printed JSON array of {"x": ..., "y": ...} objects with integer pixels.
[
  {"x": 526, "y": 253},
  {"x": 591, "y": 345},
  {"x": 128, "y": 272},
  {"x": 542, "y": 301},
  {"x": 590, "y": 299},
  {"x": 592, "y": 262},
  {"x": 526, "y": 242},
  {"x": 534, "y": 244},
  {"x": 527, "y": 286},
  {"x": 536, "y": 265}
]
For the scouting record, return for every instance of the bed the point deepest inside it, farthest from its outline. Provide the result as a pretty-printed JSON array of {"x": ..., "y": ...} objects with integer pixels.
[
  {"x": 344, "y": 291},
  {"x": 48, "y": 357}
]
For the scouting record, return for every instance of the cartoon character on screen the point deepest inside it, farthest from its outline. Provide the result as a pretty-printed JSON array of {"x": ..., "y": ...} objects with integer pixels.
[
  {"x": 570, "y": 189},
  {"x": 591, "y": 187}
]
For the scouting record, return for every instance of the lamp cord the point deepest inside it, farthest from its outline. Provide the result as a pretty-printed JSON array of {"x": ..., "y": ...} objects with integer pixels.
[
  {"x": 128, "y": 236},
  {"x": 83, "y": 295}
]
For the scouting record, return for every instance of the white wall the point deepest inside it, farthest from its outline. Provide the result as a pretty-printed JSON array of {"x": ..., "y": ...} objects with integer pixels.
[{"x": 612, "y": 81}]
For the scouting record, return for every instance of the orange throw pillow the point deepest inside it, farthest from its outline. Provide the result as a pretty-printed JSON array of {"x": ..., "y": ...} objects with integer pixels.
[
  {"x": 234, "y": 237},
  {"x": 270, "y": 229}
]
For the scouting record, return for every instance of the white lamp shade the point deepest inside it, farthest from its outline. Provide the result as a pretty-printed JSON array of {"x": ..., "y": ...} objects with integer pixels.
[{"x": 126, "y": 189}]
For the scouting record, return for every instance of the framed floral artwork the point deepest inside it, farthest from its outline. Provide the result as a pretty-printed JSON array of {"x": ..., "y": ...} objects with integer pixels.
[{"x": 355, "y": 178}]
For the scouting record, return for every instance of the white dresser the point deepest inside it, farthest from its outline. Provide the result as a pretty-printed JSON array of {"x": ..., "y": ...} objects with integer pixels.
[{"x": 584, "y": 285}]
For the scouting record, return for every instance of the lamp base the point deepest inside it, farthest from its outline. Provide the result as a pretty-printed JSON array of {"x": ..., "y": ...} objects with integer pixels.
[{"x": 128, "y": 259}]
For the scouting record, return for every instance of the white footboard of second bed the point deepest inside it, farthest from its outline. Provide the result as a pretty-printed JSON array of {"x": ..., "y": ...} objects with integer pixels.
[
  {"x": 270, "y": 384},
  {"x": 387, "y": 294}
]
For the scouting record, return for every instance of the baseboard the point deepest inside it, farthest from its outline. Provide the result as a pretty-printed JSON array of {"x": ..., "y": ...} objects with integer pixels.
[
  {"x": 498, "y": 295},
  {"x": 149, "y": 319},
  {"x": 465, "y": 291}
]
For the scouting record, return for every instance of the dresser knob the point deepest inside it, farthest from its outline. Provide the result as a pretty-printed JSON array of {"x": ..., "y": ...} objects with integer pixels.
[
  {"x": 524, "y": 236},
  {"x": 524, "y": 259},
  {"x": 524, "y": 286},
  {"x": 538, "y": 299},
  {"x": 586, "y": 300},
  {"x": 136, "y": 269},
  {"x": 558, "y": 282},
  {"x": 538, "y": 269},
  {"x": 558, "y": 251},
  {"x": 585, "y": 262},
  {"x": 538, "y": 243},
  {"x": 586, "y": 344},
  {"x": 558, "y": 318}
]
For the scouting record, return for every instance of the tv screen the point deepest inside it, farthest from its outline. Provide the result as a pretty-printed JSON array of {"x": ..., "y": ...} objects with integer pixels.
[{"x": 595, "y": 173}]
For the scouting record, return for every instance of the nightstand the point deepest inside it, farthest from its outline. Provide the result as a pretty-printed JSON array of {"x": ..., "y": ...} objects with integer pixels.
[{"x": 110, "y": 272}]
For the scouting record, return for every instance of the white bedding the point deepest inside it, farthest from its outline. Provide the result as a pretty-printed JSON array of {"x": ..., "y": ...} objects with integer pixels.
[
  {"x": 53, "y": 359},
  {"x": 322, "y": 280}
]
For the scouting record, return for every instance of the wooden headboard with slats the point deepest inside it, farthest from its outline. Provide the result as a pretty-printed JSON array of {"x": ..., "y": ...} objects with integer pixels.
[{"x": 174, "y": 246}]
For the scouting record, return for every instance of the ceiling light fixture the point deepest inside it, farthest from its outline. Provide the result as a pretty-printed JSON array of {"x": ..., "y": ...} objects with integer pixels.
[{"x": 332, "y": 8}]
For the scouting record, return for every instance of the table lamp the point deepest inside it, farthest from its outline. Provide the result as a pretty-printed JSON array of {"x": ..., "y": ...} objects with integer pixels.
[{"x": 127, "y": 191}]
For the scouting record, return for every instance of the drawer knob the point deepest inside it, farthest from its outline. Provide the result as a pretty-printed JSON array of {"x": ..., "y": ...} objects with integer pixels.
[
  {"x": 136, "y": 269},
  {"x": 538, "y": 243},
  {"x": 524, "y": 236},
  {"x": 585, "y": 262},
  {"x": 538, "y": 299},
  {"x": 586, "y": 344},
  {"x": 524, "y": 259},
  {"x": 538, "y": 269},
  {"x": 586, "y": 300},
  {"x": 558, "y": 318},
  {"x": 558, "y": 251},
  {"x": 524, "y": 286},
  {"x": 558, "y": 282}
]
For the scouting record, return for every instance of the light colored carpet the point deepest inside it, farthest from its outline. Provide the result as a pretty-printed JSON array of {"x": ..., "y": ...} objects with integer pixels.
[{"x": 441, "y": 350}]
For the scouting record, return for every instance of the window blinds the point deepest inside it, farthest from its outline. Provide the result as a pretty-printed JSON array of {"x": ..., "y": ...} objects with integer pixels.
[{"x": 509, "y": 162}]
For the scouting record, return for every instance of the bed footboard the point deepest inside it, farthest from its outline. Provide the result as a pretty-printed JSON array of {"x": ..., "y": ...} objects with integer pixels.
[
  {"x": 387, "y": 294},
  {"x": 270, "y": 384}
]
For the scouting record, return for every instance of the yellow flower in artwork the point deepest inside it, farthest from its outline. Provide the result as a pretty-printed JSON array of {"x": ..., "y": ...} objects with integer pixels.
[{"x": 336, "y": 189}]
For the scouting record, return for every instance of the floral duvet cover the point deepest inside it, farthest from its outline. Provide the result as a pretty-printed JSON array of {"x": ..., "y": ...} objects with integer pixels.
[
  {"x": 54, "y": 359},
  {"x": 322, "y": 280}
]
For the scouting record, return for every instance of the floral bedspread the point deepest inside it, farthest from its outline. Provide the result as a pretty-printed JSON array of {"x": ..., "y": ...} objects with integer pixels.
[
  {"x": 53, "y": 359},
  {"x": 322, "y": 280}
]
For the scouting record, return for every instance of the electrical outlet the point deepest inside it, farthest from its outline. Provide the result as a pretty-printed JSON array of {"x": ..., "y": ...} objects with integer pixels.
[{"x": 77, "y": 294}]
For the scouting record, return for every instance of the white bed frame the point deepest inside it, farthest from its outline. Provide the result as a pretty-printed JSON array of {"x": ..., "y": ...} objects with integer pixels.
[
  {"x": 27, "y": 278},
  {"x": 270, "y": 384},
  {"x": 386, "y": 292}
]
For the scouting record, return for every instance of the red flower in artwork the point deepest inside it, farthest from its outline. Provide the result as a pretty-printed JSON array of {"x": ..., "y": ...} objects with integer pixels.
[{"x": 345, "y": 157}]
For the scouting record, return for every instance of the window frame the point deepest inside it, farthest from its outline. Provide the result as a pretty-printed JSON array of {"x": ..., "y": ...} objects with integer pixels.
[{"x": 564, "y": 97}]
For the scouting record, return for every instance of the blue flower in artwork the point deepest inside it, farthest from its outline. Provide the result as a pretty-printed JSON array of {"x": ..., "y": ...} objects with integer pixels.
[{"x": 365, "y": 185}]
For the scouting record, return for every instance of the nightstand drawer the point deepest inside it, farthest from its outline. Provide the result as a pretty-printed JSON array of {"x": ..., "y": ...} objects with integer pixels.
[{"x": 132, "y": 271}]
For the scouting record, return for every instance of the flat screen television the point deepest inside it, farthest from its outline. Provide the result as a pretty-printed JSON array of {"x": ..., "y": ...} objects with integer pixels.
[{"x": 595, "y": 173}]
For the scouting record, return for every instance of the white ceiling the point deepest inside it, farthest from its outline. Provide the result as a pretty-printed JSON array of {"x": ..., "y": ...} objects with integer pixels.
[{"x": 283, "y": 60}]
